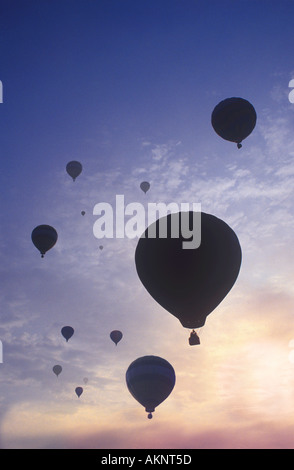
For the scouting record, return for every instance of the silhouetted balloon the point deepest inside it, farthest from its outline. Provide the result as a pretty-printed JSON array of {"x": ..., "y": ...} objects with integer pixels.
[
  {"x": 101, "y": 247},
  {"x": 145, "y": 186},
  {"x": 79, "y": 391},
  {"x": 234, "y": 119},
  {"x": 83, "y": 212},
  {"x": 116, "y": 336},
  {"x": 67, "y": 332},
  {"x": 85, "y": 380},
  {"x": 74, "y": 169},
  {"x": 44, "y": 238},
  {"x": 189, "y": 283},
  {"x": 150, "y": 379},
  {"x": 57, "y": 369}
]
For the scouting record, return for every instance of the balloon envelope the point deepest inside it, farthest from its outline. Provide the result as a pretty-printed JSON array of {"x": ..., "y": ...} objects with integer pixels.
[
  {"x": 67, "y": 332},
  {"x": 145, "y": 186},
  {"x": 44, "y": 238},
  {"x": 189, "y": 283},
  {"x": 57, "y": 369},
  {"x": 74, "y": 169},
  {"x": 150, "y": 379},
  {"x": 234, "y": 119},
  {"x": 79, "y": 391},
  {"x": 116, "y": 336}
]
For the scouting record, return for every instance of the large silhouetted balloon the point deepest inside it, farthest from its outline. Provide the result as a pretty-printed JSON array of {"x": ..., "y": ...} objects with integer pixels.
[
  {"x": 145, "y": 186},
  {"x": 44, "y": 238},
  {"x": 67, "y": 332},
  {"x": 234, "y": 119},
  {"x": 150, "y": 379},
  {"x": 189, "y": 283},
  {"x": 79, "y": 391},
  {"x": 74, "y": 169},
  {"x": 57, "y": 369},
  {"x": 116, "y": 336}
]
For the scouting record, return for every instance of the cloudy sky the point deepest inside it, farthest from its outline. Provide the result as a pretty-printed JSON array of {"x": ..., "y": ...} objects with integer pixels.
[{"x": 127, "y": 88}]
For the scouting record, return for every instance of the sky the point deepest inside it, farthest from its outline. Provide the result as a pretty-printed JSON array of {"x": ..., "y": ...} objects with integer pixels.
[{"x": 127, "y": 88}]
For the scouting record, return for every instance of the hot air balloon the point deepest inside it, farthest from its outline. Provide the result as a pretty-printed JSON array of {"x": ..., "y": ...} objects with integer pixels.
[
  {"x": 150, "y": 379},
  {"x": 116, "y": 336},
  {"x": 145, "y": 186},
  {"x": 74, "y": 169},
  {"x": 79, "y": 391},
  {"x": 101, "y": 247},
  {"x": 234, "y": 119},
  {"x": 44, "y": 238},
  {"x": 85, "y": 379},
  {"x": 67, "y": 332},
  {"x": 83, "y": 212},
  {"x": 57, "y": 369},
  {"x": 189, "y": 283}
]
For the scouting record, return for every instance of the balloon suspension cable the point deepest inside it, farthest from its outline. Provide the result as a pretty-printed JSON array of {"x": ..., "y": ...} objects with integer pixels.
[{"x": 199, "y": 330}]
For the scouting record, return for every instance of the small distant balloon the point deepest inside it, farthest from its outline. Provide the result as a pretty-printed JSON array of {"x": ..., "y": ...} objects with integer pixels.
[
  {"x": 67, "y": 332},
  {"x": 101, "y": 247},
  {"x": 145, "y": 186},
  {"x": 86, "y": 380},
  {"x": 44, "y": 238},
  {"x": 74, "y": 169},
  {"x": 83, "y": 212},
  {"x": 79, "y": 391},
  {"x": 57, "y": 370},
  {"x": 116, "y": 336}
]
